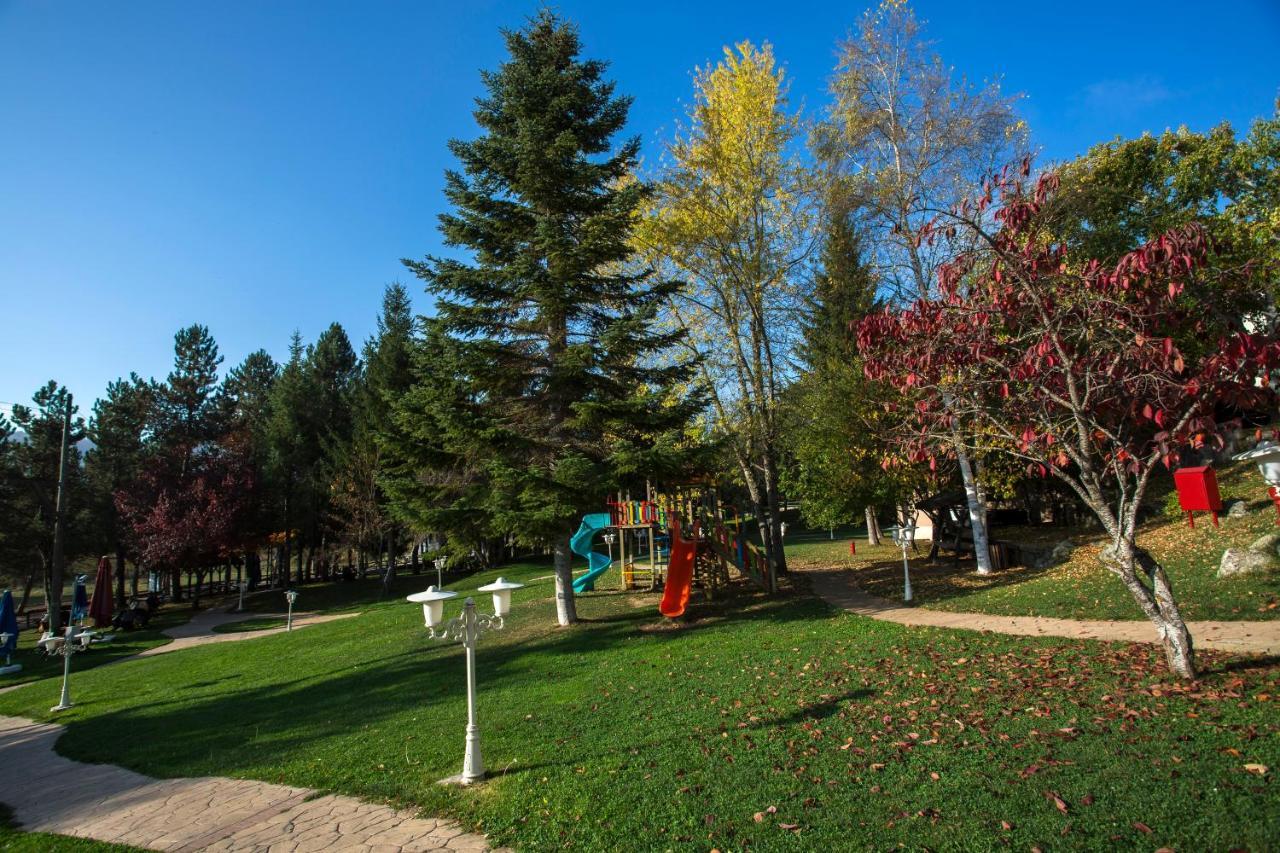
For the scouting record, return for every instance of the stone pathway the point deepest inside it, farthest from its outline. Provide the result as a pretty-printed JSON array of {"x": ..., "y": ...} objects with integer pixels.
[
  {"x": 49, "y": 793},
  {"x": 199, "y": 630},
  {"x": 837, "y": 587}
]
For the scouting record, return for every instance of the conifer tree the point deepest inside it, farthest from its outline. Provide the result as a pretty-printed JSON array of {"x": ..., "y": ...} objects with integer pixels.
[
  {"x": 118, "y": 430},
  {"x": 552, "y": 326}
]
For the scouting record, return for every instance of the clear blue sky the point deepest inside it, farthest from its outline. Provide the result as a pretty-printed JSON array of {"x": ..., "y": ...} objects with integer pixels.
[{"x": 263, "y": 166}]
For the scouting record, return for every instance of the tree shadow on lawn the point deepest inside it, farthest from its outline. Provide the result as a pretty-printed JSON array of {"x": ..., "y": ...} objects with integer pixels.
[
  {"x": 180, "y": 732},
  {"x": 940, "y": 579}
]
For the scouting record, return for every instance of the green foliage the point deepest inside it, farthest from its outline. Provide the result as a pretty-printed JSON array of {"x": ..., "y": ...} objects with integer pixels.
[
  {"x": 833, "y": 414},
  {"x": 187, "y": 411},
  {"x": 556, "y": 395}
]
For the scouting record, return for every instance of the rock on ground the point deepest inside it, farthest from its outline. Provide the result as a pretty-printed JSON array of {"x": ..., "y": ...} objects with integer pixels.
[
  {"x": 1268, "y": 543},
  {"x": 1237, "y": 561}
]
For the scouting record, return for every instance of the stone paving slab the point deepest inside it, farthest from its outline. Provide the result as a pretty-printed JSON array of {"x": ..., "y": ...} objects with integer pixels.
[
  {"x": 50, "y": 793},
  {"x": 837, "y": 587}
]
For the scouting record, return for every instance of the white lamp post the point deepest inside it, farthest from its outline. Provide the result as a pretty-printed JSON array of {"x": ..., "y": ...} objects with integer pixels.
[
  {"x": 903, "y": 536},
  {"x": 74, "y": 640},
  {"x": 244, "y": 585},
  {"x": 290, "y": 596},
  {"x": 467, "y": 628},
  {"x": 1267, "y": 456},
  {"x": 608, "y": 540},
  {"x": 440, "y": 563}
]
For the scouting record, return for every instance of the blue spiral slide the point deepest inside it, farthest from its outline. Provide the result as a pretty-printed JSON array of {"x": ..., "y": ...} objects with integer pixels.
[{"x": 597, "y": 563}]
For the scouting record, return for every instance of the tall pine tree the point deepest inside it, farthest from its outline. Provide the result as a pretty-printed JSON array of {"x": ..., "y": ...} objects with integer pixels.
[{"x": 553, "y": 327}]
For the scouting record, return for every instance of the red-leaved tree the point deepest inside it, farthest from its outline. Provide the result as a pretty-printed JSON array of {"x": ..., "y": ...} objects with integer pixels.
[
  {"x": 192, "y": 520},
  {"x": 1094, "y": 375}
]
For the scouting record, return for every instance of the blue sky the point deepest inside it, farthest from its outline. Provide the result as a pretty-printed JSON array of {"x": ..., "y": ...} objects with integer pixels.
[{"x": 263, "y": 166}]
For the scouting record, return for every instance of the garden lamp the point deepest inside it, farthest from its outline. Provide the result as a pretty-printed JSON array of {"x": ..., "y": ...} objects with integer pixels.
[
  {"x": 432, "y": 602},
  {"x": 467, "y": 628},
  {"x": 1267, "y": 456},
  {"x": 72, "y": 641},
  {"x": 501, "y": 589},
  {"x": 290, "y": 596}
]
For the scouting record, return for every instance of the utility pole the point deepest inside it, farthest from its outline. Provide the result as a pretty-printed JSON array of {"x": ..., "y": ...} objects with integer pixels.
[{"x": 53, "y": 596}]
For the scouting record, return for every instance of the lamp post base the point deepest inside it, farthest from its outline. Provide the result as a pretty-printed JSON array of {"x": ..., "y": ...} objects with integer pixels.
[
  {"x": 461, "y": 779},
  {"x": 62, "y": 706}
]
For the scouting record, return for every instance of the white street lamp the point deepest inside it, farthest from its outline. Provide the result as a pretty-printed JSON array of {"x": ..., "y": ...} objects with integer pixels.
[
  {"x": 74, "y": 640},
  {"x": 467, "y": 628},
  {"x": 432, "y": 602},
  {"x": 440, "y": 563},
  {"x": 501, "y": 589},
  {"x": 244, "y": 585},
  {"x": 608, "y": 540},
  {"x": 904, "y": 535},
  {"x": 290, "y": 596}
]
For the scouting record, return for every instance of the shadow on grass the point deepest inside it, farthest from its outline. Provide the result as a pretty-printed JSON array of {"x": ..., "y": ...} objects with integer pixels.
[
  {"x": 941, "y": 579},
  {"x": 184, "y": 732}
]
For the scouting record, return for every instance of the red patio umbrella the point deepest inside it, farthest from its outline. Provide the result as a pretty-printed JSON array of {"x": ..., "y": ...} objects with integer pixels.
[{"x": 100, "y": 605}]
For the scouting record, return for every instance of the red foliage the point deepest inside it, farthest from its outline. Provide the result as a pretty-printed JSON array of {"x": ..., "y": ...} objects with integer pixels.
[
  {"x": 1061, "y": 358},
  {"x": 192, "y": 518}
]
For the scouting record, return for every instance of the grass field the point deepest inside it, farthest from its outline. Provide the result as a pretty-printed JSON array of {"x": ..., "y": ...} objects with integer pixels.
[
  {"x": 1081, "y": 588},
  {"x": 36, "y": 665},
  {"x": 768, "y": 723}
]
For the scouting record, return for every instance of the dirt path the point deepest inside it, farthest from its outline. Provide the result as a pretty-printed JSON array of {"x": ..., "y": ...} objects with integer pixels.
[
  {"x": 109, "y": 803},
  {"x": 837, "y": 587}
]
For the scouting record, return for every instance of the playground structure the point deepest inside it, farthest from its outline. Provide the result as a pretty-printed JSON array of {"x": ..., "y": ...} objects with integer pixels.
[{"x": 672, "y": 542}]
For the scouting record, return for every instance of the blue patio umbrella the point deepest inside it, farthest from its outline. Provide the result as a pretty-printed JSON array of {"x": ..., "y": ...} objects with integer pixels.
[
  {"x": 79, "y": 601},
  {"x": 8, "y": 625}
]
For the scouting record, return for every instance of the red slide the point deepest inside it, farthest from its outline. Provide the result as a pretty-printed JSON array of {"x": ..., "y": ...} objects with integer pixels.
[{"x": 675, "y": 596}]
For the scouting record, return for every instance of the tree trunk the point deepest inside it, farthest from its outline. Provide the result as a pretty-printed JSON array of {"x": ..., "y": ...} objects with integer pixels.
[
  {"x": 1158, "y": 604},
  {"x": 566, "y": 605},
  {"x": 175, "y": 584},
  {"x": 977, "y": 514},
  {"x": 119, "y": 577},
  {"x": 27, "y": 586},
  {"x": 779, "y": 554},
  {"x": 873, "y": 526}
]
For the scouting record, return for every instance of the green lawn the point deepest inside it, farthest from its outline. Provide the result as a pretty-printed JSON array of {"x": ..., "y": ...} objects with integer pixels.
[
  {"x": 37, "y": 665},
  {"x": 255, "y": 623},
  {"x": 1081, "y": 588},
  {"x": 14, "y": 840},
  {"x": 769, "y": 723}
]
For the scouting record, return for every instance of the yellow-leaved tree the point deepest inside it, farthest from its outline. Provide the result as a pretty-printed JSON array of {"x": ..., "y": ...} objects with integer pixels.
[{"x": 734, "y": 216}]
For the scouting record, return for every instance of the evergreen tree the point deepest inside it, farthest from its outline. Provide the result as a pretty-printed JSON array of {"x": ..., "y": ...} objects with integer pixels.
[
  {"x": 290, "y": 434},
  {"x": 359, "y": 504},
  {"x": 552, "y": 327},
  {"x": 833, "y": 413},
  {"x": 118, "y": 430},
  {"x": 246, "y": 395},
  {"x": 36, "y": 463},
  {"x": 335, "y": 379},
  {"x": 187, "y": 408}
]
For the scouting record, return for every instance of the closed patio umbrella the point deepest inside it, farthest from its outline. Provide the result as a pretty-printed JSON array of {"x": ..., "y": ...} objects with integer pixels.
[
  {"x": 79, "y": 600},
  {"x": 100, "y": 606},
  {"x": 8, "y": 626}
]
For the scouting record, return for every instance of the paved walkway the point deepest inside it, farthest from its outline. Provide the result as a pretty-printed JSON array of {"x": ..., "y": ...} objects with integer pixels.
[
  {"x": 199, "y": 630},
  {"x": 837, "y": 587},
  {"x": 49, "y": 793}
]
